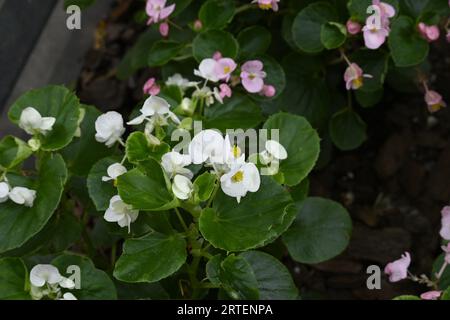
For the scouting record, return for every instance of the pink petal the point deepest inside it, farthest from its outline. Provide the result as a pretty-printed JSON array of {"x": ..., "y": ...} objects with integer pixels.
[
  {"x": 253, "y": 85},
  {"x": 375, "y": 39},
  {"x": 252, "y": 66},
  {"x": 165, "y": 12}
]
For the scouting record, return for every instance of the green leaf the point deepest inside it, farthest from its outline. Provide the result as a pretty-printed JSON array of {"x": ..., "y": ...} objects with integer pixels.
[
  {"x": 145, "y": 188},
  {"x": 19, "y": 223},
  {"x": 275, "y": 76},
  {"x": 51, "y": 101},
  {"x": 307, "y": 26},
  {"x": 95, "y": 284},
  {"x": 216, "y": 14},
  {"x": 140, "y": 291},
  {"x": 320, "y": 232},
  {"x": 408, "y": 48},
  {"x": 13, "y": 152},
  {"x": 444, "y": 281},
  {"x": 372, "y": 62},
  {"x": 259, "y": 216},
  {"x": 347, "y": 130},
  {"x": 162, "y": 52},
  {"x": 13, "y": 276},
  {"x": 207, "y": 43},
  {"x": 101, "y": 191},
  {"x": 369, "y": 99},
  {"x": 407, "y": 297},
  {"x": 333, "y": 35},
  {"x": 80, "y": 156},
  {"x": 203, "y": 186},
  {"x": 446, "y": 294},
  {"x": 303, "y": 151},
  {"x": 237, "y": 112},
  {"x": 150, "y": 258},
  {"x": 139, "y": 149},
  {"x": 253, "y": 41},
  {"x": 427, "y": 11},
  {"x": 273, "y": 278}
]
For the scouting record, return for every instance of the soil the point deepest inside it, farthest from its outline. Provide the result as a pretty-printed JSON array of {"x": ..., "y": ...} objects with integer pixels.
[{"x": 394, "y": 186}]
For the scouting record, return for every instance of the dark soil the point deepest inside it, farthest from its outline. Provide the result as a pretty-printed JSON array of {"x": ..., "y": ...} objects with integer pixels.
[{"x": 393, "y": 186}]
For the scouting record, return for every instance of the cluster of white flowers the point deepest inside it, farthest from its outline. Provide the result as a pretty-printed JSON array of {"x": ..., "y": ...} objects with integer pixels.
[
  {"x": 19, "y": 195},
  {"x": 47, "y": 282}
]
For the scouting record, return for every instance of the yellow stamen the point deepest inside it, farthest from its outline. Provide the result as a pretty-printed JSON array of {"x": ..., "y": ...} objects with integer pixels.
[
  {"x": 435, "y": 107},
  {"x": 236, "y": 151},
  {"x": 238, "y": 177},
  {"x": 357, "y": 83},
  {"x": 226, "y": 69},
  {"x": 266, "y": 6}
]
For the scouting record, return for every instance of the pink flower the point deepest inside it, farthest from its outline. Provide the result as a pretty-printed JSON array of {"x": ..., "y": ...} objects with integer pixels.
[
  {"x": 225, "y": 91},
  {"x": 157, "y": 10},
  {"x": 431, "y": 295},
  {"x": 445, "y": 223},
  {"x": 376, "y": 31},
  {"x": 354, "y": 77},
  {"x": 429, "y": 33},
  {"x": 151, "y": 88},
  {"x": 267, "y": 4},
  {"x": 217, "y": 55},
  {"x": 435, "y": 102},
  {"x": 269, "y": 91},
  {"x": 198, "y": 25},
  {"x": 447, "y": 252},
  {"x": 164, "y": 29},
  {"x": 353, "y": 27},
  {"x": 224, "y": 68},
  {"x": 398, "y": 269},
  {"x": 252, "y": 76},
  {"x": 374, "y": 37}
]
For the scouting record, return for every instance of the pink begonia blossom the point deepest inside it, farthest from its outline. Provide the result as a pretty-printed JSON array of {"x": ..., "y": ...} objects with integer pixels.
[
  {"x": 164, "y": 29},
  {"x": 431, "y": 295},
  {"x": 446, "y": 249},
  {"x": 225, "y": 91},
  {"x": 377, "y": 30},
  {"x": 157, "y": 10},
  {"x": 198, "y": 25},
  {"x": 225, "y": 66},
  {"x": 151, "y": 88},
  {"x": 353, "y": 27},
  {"x": 267, "y": 4},
  {"x": 252, "y": 76},
  {"x": 398, "y": 269},
  {"x": 354, "y": 77},
  {"x": 217, "y": 55},
  {"x": 429, "y": 33},
  {"x": 445, "y": 223},
  {"x": 434, "y": 101},
  {"x": 269, "y": 91}
]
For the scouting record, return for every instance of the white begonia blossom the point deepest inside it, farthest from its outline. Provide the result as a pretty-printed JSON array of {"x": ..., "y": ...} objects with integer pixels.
[
  {"x": 208, "y": 145},
  {"x": 67, "y": 283},
  {"x": 68, "y": 296},
  {"x": 115, "y": 170},
  {"x": 178, "y": 80},
  {"x": 109, "y": 127},
  {"x": 241, "y": 179},
  {"x": 182, "y": 187},
  {"x": 42, "y": 274},
  {"x": 207, "y": 70},
  {"x": 32, "y": 122},
  {"x": 205, "y": 93},
  {"x": 276, "y": 150},
  {"x": 174, "y": 163},
  {"x": 154, "y": 109},
  {"x": 22, "y": 195},
  {"x": 4, "y": 191},
  {"x": 120, "y": 212}
]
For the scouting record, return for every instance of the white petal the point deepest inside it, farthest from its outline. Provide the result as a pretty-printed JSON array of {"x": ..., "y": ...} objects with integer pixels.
[
  {"x": 113, "y": 216},
  {"x": 67, "y": 283},
  {"x": 252, "y": 178},
  {"x": 69, "y": 296},
  {"x": 44, "y": 273},
  {"x": 182, "y": 187},
  {"x": 276, "y": 149},
  {"x": 136, "y": 121},
  {"x": 47, "y": 123},
  {"x": 21, "y": 195},
  {"x": 30, "y": 120},
  {"x": 207, "y": 70},
  {"x": 115, "y": 170},
  {"x": 4, "y": 191},
  {"x": 155, "y": 105}
]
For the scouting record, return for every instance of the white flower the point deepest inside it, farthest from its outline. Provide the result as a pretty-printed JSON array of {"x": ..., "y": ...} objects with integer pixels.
[
  {"x": 175, "y": 163},
  {"x": 42, "y": 274},
  {"x": 120, "y": 212},
  {"x": 208, "y": 145},
  {"x": 4, "y": 191},
  {"x": 178, "y": 80},
  {"x": 67, "y": 283},
  {"x": 241, "y": 179},
  {"x": 205, "y": 93},
  {"x": 154, "y": 107},
  {"x": 21, "y": 195},
  {"x": 182, "y": 187},
  {"x": 114, "y": 170},
  {"x": 273, "y": 153},
  {"x": 109, "y": 127},
  {"x": 32, "y": 122},
  {"x": 208, "y": 70},
  {"x": 68, "y": 296}
]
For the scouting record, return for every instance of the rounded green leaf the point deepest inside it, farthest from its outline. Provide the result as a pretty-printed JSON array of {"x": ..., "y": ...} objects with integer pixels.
[
  {"x": 203, "y": 186},
  {"x": 347, "y": 130},
  {"x": 13, "y": 151},
  {"x": 95, "y": 284},
  {"x": 374, "y": 63},
  {"x": 52, "y": 101},
  {"x": 13, "y": 277},
  {"x": 307, "y": 26},
  {"x": 333, "y": 35},
  {"x": 19, "y": 223},
  {"x": 254, "y": 40},
  {"x": 273, "y": 278},
  {"x": 150, "y": 258},
  {"x": 162, "y": 52},
  {"x": 139, "y": 149},
  {"x": 216, "y": 14},
  {"x": 303, "y": 150},
  {"x": 275, "y": 76},
  {"x": 370, "y": 98},
  {"x": 320, "y": 232},
  {"x": 101, "y": 191},
  {"x": 145, "y": 188},
  {"x": 207, "y": 43},
  {"x": 237, "y": 112},
  {"x": 259, "y": 216},
  {"x": 408, "y": 48}
]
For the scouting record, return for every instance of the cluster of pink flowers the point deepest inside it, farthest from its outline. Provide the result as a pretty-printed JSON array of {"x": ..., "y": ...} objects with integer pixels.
[
  {"x": 252, "y": 77},
  {"x": 267, "y": 4},
  {"x": 158, "y": 12},
  {"x": 151, "y": 87},
  {"x": 398, "y": 269},
  {"x": 429, "y": 33},
  {"x": 377, "y": 26}
]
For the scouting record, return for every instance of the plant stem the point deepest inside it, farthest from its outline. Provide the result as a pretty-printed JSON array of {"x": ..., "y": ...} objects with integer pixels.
[
  {"x": 441, "y": 271},
  {"x": 213, "y": 195},
  {"x": 180, "y": 217},
  {"x": 113, "y": 255},
  {"x": 243, "y": 8}
]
